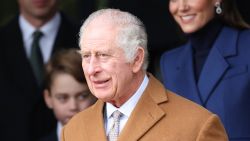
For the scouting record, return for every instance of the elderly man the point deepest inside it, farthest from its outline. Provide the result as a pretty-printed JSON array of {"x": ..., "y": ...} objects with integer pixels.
[{"x": 132, "y": 104}]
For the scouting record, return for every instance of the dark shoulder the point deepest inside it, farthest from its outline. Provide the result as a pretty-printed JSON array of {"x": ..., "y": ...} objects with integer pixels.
[
  {"x": 169, "y": 58},
  {"x": 172, "y": 54},
  {"x": 68, "y": 24},
  {"x": 243, "y": 41},
  {"x": 52, "y": 136},
  {"x": 245, "y": 34},
  {"x": 10, "y": 26},
  {"x": 174, "y": 51}
]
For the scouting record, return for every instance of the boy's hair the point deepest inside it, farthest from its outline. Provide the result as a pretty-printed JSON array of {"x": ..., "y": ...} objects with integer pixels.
[{"x": 64, "y": 61}]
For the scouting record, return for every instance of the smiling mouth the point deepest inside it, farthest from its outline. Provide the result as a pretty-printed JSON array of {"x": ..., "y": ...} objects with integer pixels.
[
  {"x": 101, "y": 83},
  {"x": 187, "y": 18}
]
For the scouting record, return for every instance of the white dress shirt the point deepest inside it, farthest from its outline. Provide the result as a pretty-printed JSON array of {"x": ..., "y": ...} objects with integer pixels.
[
  {"x": 49, "y": 31},
  {"x": 59, "y": 130},
  {"x": 126, "y": 109}
]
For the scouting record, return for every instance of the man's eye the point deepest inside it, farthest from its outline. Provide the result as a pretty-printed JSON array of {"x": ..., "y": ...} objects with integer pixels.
[
  {"x": 173, "y": 0},
  {"x": 102, "y": 55},
  {"x": 85, "y": 56}
]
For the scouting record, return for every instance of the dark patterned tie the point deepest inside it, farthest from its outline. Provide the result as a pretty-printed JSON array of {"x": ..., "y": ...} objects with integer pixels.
[
  {"x": 114, "y": 131},
  {"x": 36, "y": 58}
]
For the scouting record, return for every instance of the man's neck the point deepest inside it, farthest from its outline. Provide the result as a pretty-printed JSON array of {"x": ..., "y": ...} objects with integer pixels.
[
  {"x": 137, "y": 81},
  {"x": 38, "y": 22}
]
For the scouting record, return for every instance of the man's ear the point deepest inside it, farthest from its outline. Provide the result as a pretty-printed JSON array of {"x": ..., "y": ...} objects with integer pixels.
[
  {"x": 138, "y": 60},
  {"x": 47, "y": 98}
]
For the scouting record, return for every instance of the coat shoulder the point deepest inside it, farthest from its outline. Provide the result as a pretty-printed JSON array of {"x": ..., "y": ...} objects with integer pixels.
[
  {"x": 244, "y": 36},
  {"x": 191, "y": 121},
  {"x": 187, "y": 108},
  {"x": 170, "y": 57},
  {"x": 172, "y": 53}
]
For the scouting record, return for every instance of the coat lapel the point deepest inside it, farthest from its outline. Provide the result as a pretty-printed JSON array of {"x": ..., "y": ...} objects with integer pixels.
[
  {"x": 185, "y": 76},
  {"x": 95, "y": 125},
  {"x": 19, "y": 71},
  {"x": 216, "y": 64},
  {"x": 146, "y": 113}
]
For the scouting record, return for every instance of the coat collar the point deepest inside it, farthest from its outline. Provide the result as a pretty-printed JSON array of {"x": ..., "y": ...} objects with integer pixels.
[
  {"x": 95, "y": 124},
  {"x": 186, "y": 75},
  {"x": 144, "y": 116},
  {"x": 146, "y": 113},
  {"x": 215, "y": 65},
  {"x": 226, "y": 45}
]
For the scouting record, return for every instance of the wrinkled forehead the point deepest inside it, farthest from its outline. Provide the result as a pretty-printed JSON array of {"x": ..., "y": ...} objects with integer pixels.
[
  {"x": 100, "y": 24},
  {"x": 98, "y": 32}
]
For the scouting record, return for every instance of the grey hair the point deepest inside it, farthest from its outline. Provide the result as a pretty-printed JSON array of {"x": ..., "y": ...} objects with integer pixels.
[{"x": 131, "y": 32}]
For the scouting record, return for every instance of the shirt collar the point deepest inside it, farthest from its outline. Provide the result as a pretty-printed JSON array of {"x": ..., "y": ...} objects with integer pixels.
[
  {"x": 53, "y": 24},
  {"x": 127, "y": 108},
  {"x": 28, "y": 29},
  {"x": 59, "y": 129}
]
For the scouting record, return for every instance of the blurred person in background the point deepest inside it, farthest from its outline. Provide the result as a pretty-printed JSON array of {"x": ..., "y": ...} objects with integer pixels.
[
  {"x": 211, "y": 69},
  {"x": 66, "y": 90},
  {"x": 23, "y": 53}
]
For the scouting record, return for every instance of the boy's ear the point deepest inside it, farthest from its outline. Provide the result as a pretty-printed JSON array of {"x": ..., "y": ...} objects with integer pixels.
[{"x": 47, "y": 98}]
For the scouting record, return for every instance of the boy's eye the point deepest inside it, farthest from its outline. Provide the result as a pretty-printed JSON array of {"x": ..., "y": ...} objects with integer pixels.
[
  {"x": 83, "y": 95},
  {"x": 62, "y": 98}
]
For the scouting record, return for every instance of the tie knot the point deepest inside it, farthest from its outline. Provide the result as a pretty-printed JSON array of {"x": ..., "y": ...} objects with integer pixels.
[
  {"x": 116, "y": 115},
  {"x": 37, "y": 34}
]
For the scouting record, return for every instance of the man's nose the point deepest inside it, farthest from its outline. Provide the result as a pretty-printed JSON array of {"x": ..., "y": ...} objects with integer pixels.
[{"x": 93, "y": 66}]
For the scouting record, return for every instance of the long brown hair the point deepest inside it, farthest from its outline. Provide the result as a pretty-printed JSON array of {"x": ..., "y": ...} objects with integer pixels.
[{"x": 231, "y": 15}]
